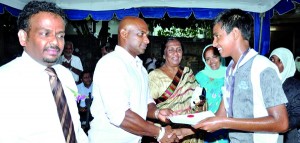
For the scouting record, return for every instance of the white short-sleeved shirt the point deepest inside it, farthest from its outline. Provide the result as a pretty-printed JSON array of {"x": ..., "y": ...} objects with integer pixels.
[
  {"x": 120, "y": 83},
  {"x": 75, "y": 62}
]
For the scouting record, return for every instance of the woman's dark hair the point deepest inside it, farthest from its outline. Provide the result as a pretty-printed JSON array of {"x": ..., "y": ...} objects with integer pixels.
[
  {"x": 85, "y": 72},
  {"x": 215, "y": 51},
  {"x": 164, "y": 44},
  {"x": 34, "y": 7}
]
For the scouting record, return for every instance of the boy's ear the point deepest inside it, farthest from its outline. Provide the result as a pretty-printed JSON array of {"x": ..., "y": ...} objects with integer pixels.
[{"x": 236, "y": 33}]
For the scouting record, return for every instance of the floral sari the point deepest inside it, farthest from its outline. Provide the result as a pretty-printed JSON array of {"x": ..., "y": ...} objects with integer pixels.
[{"x": 175, "y": 93}]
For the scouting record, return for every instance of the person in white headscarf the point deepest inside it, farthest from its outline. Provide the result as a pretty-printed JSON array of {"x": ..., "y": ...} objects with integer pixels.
[
  {"x": 284, "y": 60},
  {"x": 297, "y": 61},
  {"x": 297, "y": 74},
  {"x": 212, "y": 79}
]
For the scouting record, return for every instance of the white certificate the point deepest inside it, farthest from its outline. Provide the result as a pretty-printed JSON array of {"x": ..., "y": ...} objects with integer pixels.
[{"x": 191, "y": 119}]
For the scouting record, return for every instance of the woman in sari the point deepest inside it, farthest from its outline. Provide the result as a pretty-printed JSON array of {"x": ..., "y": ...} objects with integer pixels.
[
  {"x": 172, "y": 85},
  {"x": 212, "y": 79}
]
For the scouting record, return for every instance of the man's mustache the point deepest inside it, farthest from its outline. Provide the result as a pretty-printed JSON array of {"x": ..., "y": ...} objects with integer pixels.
[{"x": 53, "y": 47}]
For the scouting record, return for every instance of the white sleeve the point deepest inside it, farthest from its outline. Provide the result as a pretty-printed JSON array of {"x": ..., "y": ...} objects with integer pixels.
[{"x": 110, "y": 86}]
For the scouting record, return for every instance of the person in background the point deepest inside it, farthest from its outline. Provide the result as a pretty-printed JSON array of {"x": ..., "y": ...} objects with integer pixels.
[
  {"x": 150, "y": 63},
  {"x": 85, "y": 88},
  {"x": 212, "y": 79},
  {"x": 253, "y": 105},
  {"x": 172, "y": 85},
  {"x": 297, "y": 61},
  {"x": 106, "y": 49},
  {"x": 283, "y": 58},
  {"x": 121, "y": 93},
  {"x": 70, "y": 61},
  {"x": 30, "y": 113}
]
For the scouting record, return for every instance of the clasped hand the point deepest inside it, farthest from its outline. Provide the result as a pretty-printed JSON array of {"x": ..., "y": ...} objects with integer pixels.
[
  {"x": 210, "y": 124},
  {"x": 169, "y": 136}
]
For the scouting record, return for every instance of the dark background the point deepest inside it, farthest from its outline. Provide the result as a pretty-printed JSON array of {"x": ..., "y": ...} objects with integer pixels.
[{"x": 88, "y": 47}]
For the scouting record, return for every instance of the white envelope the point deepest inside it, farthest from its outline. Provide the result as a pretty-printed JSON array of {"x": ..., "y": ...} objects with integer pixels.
[
  {"x": 191, "y": 119},
  {"x": 195, "y": 97}
]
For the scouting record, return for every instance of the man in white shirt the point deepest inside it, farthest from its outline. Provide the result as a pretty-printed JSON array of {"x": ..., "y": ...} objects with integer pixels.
[
  {"x": 70, "y": 61},
  {"x": 85, "y": 87},
  {"x": 122, "y": 98},
  {"x": 29, "y": 113}
]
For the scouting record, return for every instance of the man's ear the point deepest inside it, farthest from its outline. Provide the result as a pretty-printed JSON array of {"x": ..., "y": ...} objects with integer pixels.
[
  {"x": 123, "y": 33},
  {"x": 22, "y": 37}
]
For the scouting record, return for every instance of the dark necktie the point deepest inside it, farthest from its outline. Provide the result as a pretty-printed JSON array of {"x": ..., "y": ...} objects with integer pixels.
[{"x": 62, "y": 106}]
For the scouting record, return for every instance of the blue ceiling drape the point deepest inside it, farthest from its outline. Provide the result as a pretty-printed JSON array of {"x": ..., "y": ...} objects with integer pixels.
[
  {"x": 262, "y": 42},
  {"x": 147, "y": 12},
  {"x": 261, "y": 36},
  {"x": 1, "y": 8},
  {"x": 199, "y": 13},
  {"x": 285, "y": 6}
]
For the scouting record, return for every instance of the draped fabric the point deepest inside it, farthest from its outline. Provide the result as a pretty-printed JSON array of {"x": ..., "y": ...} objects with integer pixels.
[
  {"x": 171, "y": 89},
  {"x": 261, "y": 19},
  {"x": 287, "y": 59},
  {"x": 180, "y": 98},
  {"x": 217, "y": 73}
]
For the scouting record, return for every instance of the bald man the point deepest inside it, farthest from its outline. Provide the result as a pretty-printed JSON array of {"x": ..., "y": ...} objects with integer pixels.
[{"x": 122, "y": 99}]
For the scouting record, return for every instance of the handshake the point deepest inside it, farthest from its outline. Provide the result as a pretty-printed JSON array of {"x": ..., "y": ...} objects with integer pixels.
[{"x": 169, "y": 135}]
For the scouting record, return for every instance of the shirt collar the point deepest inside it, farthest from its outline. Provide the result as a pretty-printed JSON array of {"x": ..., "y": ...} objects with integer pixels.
[
  {"x": 31, "y": 63},
  {"x": 133, "y": 60},
  {"x": 65, "y": 59}
]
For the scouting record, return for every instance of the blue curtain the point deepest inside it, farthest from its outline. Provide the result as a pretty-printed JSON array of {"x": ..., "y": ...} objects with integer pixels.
[
  {"x": 262, "y": 42},
  {"x": 204, "y": 13},
  {"x": 261, "y": 46}
]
